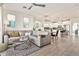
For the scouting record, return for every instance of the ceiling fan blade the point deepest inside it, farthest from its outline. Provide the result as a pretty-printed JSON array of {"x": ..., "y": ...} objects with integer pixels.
[
  {"x": 30, "y": 7},
  {"x": 41, "y": 5}
]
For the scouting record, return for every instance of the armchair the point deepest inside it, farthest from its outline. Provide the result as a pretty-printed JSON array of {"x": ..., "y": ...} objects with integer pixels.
[{"x": 40, "y": 38}]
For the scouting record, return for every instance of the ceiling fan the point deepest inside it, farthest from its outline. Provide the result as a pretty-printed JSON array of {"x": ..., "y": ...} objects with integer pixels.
[{"x": 34, "y": 4}]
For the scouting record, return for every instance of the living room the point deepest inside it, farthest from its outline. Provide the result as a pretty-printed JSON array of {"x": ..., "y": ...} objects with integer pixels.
[{"x": 27, "y": 28}]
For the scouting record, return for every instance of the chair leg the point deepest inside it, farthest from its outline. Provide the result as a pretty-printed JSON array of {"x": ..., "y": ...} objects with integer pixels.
[{"x": 52, "y": 39}]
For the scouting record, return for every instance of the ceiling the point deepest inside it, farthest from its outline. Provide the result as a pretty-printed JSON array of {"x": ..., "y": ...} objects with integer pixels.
[{"x": 52, "y": 10}]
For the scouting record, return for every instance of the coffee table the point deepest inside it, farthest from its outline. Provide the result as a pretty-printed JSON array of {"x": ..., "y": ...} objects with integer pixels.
[{"x": 23, "y": 39}]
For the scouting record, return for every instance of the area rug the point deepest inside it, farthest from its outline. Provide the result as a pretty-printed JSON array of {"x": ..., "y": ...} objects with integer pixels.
[{"x": 19, "y": 51}]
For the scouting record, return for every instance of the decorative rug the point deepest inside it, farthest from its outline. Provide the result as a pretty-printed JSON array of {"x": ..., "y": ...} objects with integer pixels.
[{"x": 19, "y": 51}]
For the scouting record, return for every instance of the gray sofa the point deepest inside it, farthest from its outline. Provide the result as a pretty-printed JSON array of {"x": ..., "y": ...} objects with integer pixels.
[
  {"x": 19, "y": 37},
  {"x": 40, "y": 38}
]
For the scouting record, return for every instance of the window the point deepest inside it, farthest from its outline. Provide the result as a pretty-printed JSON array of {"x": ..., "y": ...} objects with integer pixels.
[
  {"x": 26, "y": 22},
  {"x": 11, "y": 20}
]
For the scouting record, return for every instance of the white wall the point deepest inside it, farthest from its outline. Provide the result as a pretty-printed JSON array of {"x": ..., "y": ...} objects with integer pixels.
[
  {"x": 19, "y": 18},
  {"x": 0, "y": 25}
]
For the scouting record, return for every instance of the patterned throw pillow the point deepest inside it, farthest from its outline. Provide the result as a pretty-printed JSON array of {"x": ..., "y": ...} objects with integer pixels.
[{"x": 14, "y": 34}]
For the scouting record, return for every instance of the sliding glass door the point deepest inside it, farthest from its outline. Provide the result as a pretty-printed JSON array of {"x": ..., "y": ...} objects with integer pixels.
[{"x": 75, "y": 29}]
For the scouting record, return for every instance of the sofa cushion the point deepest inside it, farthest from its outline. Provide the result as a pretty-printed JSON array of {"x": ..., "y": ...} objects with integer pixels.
[
  {"x": 14, "y": 34},
  {"x": 22, "y": 33}
]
